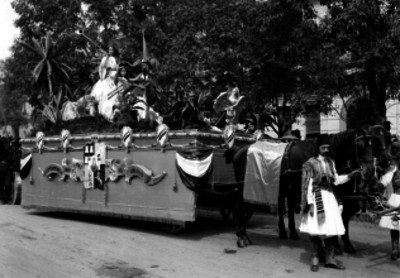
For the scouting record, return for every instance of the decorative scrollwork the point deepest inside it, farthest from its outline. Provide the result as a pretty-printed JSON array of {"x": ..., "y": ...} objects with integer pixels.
[
  {"x": 73, "y": 168},
  {"x": 117, "y": 169},
  {"x": 140, "y": 171},
  {"x": 70, "y": 168},
  {"x": 52, "y": 171}
]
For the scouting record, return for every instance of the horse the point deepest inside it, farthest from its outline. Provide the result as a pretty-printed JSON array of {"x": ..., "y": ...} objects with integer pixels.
[
  {"x": 360, "y": 196},
  {"x": 355, "y": 147}
]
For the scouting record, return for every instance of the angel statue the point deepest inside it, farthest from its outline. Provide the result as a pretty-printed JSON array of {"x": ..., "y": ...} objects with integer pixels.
[{"x": 231, "y": 102}]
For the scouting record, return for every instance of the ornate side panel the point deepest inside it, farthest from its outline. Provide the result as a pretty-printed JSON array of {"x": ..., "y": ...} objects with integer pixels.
[{"x": 141, "y": 183}]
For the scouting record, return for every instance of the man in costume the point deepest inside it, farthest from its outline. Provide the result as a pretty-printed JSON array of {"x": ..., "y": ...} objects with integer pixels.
[
  {"x": 391, "y": 182},
  {"x": 321, "y": 213}
]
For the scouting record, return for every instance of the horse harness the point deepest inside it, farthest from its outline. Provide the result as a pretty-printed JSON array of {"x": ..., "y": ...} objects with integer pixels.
[{"x": 286, "y": 161}]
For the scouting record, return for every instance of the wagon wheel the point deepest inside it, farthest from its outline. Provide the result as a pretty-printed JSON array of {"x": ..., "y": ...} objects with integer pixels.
[
  {"x": 228, "y": 213},
  {"x": 173, "y": 228}
]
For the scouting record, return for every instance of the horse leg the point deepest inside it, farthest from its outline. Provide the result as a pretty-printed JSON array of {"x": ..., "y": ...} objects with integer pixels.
[
  {"x": 348, "y": 210},
  {"x": 291, "y": 201},
  {"x": 281, "y": 216},
  {"x": 243, "y": 240}
]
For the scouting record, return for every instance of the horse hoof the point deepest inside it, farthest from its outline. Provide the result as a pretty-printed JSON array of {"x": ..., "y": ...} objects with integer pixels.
[
  {"x": 349, "y": 249},
  {"x": 294, "y": 235},
  {"x": 394, "y": 256},
  {"x": 314, "y": 268},
  {"x": 241, "y": 243},
  {"x": 283, "y": 235}
]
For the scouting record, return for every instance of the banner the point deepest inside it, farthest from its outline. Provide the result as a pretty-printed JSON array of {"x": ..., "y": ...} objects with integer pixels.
[{"x": 94, "y": 159}]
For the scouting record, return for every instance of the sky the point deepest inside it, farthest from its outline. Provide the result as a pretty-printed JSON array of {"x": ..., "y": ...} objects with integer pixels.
[{"x": 7, "y": 29}]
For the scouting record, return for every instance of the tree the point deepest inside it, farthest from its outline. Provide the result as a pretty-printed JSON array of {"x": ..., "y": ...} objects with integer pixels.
[
  {"x": 362, "y": 42},
  {"x": 57, "y": 19},
  {"x": 266, "y": 47},
  {"x": 12, "y": 98},
  {"x": 49, "y": 73}
]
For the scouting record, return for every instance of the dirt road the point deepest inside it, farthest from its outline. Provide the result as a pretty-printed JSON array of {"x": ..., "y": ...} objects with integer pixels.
[{"x": 48, "y": 245}]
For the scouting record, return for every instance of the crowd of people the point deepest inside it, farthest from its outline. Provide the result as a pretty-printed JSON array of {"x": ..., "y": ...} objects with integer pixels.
[{"x": 321, "y": 211}]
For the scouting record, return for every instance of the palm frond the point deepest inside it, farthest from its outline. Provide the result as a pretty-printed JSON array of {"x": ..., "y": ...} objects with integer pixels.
[
  {"x": 39, "y": 48},
  {"x": 30, "y": 48},
  {"x": 48, "y": 44},
  {"x": 38, "y": 70}
]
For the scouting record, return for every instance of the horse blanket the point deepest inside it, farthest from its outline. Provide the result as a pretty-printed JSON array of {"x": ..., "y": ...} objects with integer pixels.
[{"x": 263, "y": 170}]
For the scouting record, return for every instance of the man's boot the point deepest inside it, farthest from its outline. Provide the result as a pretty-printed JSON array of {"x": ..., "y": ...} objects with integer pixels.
[
  {"x": 330, "y": 254},
  {"x": 394, "y": 234}
]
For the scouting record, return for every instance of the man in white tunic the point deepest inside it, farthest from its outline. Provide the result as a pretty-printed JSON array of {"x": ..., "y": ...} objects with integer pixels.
[
  {"x": 391, "y": 183},
  {"x": 321, "y": 213}
]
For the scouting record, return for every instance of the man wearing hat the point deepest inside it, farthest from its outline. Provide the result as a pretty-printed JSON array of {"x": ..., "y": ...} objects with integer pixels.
[
  {"x": 321, "y": 213},
  {"x": 391, "y": 182},
  {"x": 387, "y": 125}
]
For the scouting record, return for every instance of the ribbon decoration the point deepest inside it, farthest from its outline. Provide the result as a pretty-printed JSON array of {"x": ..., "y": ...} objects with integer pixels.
[
  {"x": 40, "y": 141},
  {"x": 194, "y": 166},
  {"x": 162, "y": 135},
  {"x": 229, "y": 135},
  {"x": 258, "y": 135},
  {"x": 65, "y": 139},
  {"x": 126, "y": 136}
]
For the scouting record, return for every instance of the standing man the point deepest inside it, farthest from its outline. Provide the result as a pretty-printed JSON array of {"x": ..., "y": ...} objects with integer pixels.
[
  {"x": 391, "y": 182},
  {"x": 5, "y": 183},
  {"x": 321, "y": 213}
]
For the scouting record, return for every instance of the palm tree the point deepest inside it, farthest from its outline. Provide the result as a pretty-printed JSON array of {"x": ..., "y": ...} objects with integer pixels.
[{"x": 49, "y": 72}]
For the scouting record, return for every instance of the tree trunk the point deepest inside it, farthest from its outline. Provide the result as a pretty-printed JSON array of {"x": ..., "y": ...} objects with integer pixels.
[
  {"x": 285, "y": 121},
  {"x": 377, "y": 97}
]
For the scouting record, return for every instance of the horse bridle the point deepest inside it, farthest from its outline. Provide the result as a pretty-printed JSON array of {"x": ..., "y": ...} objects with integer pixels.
[
  {"x": 376, "y": 200},
  {"x": 359, "y": 161}
]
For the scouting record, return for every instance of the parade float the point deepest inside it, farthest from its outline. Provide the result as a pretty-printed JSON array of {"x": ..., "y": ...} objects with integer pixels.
[{"x": 158, "y": 175}]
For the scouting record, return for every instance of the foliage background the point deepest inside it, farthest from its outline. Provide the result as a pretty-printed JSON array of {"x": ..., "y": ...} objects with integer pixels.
[{"x": 281, "y": 59}]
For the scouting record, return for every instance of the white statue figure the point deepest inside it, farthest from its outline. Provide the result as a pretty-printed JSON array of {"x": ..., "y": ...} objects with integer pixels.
[{"x": 106, "y": 90}]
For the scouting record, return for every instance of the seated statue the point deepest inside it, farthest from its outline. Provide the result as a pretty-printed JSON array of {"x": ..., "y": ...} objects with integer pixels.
[
  {"x": 113, "y": 88},
  {"x": 102, "y": 98},
  {"x": 105, "y": 91}
]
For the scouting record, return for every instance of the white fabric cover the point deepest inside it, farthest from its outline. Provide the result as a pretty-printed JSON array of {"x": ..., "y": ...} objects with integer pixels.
[
  {"x": 261, "y": 184},
  {"x": 195, "y": 168}
]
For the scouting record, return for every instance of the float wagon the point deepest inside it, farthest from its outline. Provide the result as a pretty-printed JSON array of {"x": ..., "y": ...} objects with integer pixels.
[{"x": 147, "y": 176}]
